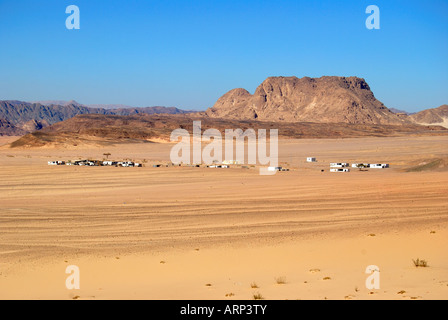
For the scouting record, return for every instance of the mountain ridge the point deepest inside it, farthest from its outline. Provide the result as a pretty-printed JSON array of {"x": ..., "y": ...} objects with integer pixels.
[
  {"x": 110, "y": 129},
  {"x": 21, "y": 117}
]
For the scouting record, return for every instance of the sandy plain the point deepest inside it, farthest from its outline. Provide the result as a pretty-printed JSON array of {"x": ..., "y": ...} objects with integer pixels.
[{"x": 198, "y": 233}]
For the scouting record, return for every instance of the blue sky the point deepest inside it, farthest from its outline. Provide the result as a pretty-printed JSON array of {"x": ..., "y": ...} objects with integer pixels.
[{"x": 189, "y": 53}]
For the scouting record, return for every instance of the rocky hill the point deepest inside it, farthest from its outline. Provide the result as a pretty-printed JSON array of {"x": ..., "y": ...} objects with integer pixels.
[
  {"x": 320, "y": 100},
  {"x": 437, "y": 116}
]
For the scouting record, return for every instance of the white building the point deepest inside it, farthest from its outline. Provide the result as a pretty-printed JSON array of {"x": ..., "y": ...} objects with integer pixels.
[
  {"x": 339, "y": 165},
  {"x": 379, "y": 166},
  {"x": 219, "y": 166},
  {"x": 56, "y": 163},
  {"x": 340, "y": 170}
]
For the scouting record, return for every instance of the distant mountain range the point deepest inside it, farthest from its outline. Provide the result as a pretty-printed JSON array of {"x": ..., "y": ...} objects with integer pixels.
[
  {"x": 18, "y": 117},
  {"x": 75, "y": 103},
  {"x": 401, "y": 111},
  {"x": 343, "y": 100}
]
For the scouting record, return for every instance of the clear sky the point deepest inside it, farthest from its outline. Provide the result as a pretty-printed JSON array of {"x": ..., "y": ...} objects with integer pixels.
[{"x": 187, "y": 53}]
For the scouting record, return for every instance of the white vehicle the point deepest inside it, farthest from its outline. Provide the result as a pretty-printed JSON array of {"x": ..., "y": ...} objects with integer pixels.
[
  {"x": 127, "y": 164},
  {"x": 273, "y": 169},
  {"x": 311, "y": 159}
]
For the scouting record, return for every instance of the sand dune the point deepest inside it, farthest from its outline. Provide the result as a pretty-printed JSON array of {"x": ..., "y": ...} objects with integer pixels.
[{"x": 198, "y": 233}]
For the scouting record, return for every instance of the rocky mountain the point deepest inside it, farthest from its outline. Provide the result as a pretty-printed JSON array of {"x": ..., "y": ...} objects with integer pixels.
[
  {"x": 436, "y": 116},
  {"x": 8, "y": 129},
  {"x": 321, "y": 100},
  {"x": 20, "y": 117},
  {"x": 146, "y": 110}
]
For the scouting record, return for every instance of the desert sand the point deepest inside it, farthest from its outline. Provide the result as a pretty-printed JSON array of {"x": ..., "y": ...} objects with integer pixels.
[{"x": 199, "y": 233}]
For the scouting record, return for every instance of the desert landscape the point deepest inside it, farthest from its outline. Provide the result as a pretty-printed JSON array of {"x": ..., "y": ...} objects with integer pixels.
[
  {"x": 201, "y": 233},
  {"x": 226, "y": 154}
]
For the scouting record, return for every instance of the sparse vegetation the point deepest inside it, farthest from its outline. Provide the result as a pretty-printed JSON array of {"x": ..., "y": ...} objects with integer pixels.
[
  {"x": 419, "y": 263},
  {"x": 229, "y": 295},
  {"x": 280, "y": 280},
  {"x": 430, "y": 165},
  {"x": 208, "y": 285},
  {"x": 258, "y": 296},
  {"x": 327, "y": 278},
  {"x": 253, "y": 285}
]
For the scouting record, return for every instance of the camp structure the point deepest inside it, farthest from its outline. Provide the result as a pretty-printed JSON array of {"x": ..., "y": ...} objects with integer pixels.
[
  {"x": 379, "y": 166},
  {"x": 339, "y": 165},
  {"x": 340, "y": 170},
  {"x": 56, "y": 163}
]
